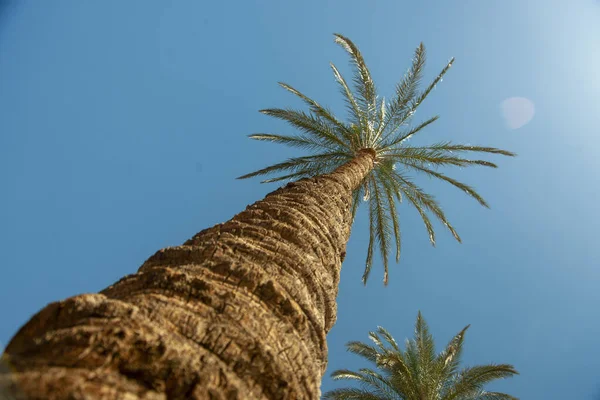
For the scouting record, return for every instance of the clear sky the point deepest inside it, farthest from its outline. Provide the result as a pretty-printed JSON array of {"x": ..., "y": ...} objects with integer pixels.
[{"x": 123, "y": 125}]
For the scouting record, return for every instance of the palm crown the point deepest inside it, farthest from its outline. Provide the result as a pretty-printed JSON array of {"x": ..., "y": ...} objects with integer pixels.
[
  {"x": 417, "y": 373},
  {"x": 385, "y": 128}
]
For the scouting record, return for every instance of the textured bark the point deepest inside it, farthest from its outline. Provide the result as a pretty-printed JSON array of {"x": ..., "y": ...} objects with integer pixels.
[{"x": 241, "y": 310}]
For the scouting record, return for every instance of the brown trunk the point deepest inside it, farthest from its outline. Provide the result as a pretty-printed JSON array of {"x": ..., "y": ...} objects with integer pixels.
[{"x": 239, "y": 311}]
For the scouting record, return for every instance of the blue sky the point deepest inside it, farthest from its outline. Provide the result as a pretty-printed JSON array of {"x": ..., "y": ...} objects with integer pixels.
[{"x": 123, "y": 126}]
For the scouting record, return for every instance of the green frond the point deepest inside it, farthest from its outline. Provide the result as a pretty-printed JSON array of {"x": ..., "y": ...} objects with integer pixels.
[
  {"x": 449, "y": 146},
  {"x": 471, "y": 380},
  {"x": 388, "y": 337},
  {"x": 363, "y": 82},
  {"x": 423, "y": 155},
  {"x": 467, "y": 189},
  {"x": 425, "y": 350},
  {"x": 382, "y": 113},
  {"x": 346, "y": 374},
  {"x": 382, "y": 232},
  {"x": 400, "y": 376},
  {"x": 417, "y": 102},
  {"x": 364, "y": 350},
  {"x": 424, "y": 341},
  {"x": 298, "y": 141},
  {"x": 405, "y": 92},
  {"x": 372, "y": 234},
  {"x": 352, "y": 394},
  {"x": 304, "y": 173},
  {"x": 311, "y": 125},
  {"x": 448, "y": 360},
  {"x": 309, "y": 164},
  {"x": 380, "y": 384},
  {"x": 426, "y": 200},
  {"x": 391, "y": 193},
  {"x": 409, "y": 134},
  {"x": 482, "y": 374},
  {"x": 418, "y": 206},
  {"x": 357, "y": 116},
  {"x": 377, "y": 340},
  {"x": 411, "y": 355},
  {"x": 321, "y": 111},
  {"x": 495, "y": 396}
]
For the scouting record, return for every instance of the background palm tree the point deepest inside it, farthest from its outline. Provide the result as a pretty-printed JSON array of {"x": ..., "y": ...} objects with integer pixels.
[
  {"x": 417, "y": 373},
  {"x": 242, "y": 308}
]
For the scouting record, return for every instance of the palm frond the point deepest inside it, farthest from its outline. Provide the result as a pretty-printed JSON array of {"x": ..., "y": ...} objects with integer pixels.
[
  {"x": 448, "y": 360},
  {"x": 388, "y": 337},
  {"x": 433, "y": 157},
  {"x": 495, "y": 396},
  {"x": 393, "y": 192},
  {"x": 299, "y": 141},
  {"x": 471, "y": 380},
  {"x": 357, "y": 116},
  {"x": 382, "y": 233},
  {"x": 482, "y": 374},
  {"x": 432, "y": 85},
  {"x": 381, "y": 384},
  {"x": 313, "y": 164},
  {"x": 414, "y": 201},
  {"x": 449, "y": 146},
  {"x": 405, "y": 92},
  {"x": 426, "y": 200},
  {"x": 401, "y": 377},
  {"x": 321, "y": 111},
  {"x": 391, "y": 195},
  {"x": 377, "y": 340},
  {"x": 311, "y": 125},
  {"x": 363, "y": 82},
  {"x": 303, "y": 173},
  {"x": 409, "y": 134},
  {"x": 372, "y": 234},
  {"x": 352, "y": 394},
  {"x": 424, "y": 341},
  {"x": 466, "y": 188},
  {"x": 364, "y": 350}
]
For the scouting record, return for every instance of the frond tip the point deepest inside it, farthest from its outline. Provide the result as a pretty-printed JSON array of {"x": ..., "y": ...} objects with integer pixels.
[{"x": 385, "y": 128}]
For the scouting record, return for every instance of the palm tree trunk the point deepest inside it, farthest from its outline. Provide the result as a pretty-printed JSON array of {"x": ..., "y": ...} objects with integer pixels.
[{"x": 241, "y": 310}]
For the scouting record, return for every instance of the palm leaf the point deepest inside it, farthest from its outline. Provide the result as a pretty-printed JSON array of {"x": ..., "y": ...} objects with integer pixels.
[
  {"x": 300, "y": 141},
  {"x": 410, "y": 133},
  {"x": 364, "y": 350},
  {"x": 405, "y": 92},
  {"x": 357, "y": 116},
  {"x": 467, "y": 189},
  {"x": 372, "y": 234},
  {"x": 314, "y": 126},
  {"x": 362, "y": 80},
  {"x": 382, "y": 233},
  {"x": 311, "y": 163},
  {"x": 320, "y": 111},
  {"x": 380, "y": 126},
  {"x": 428, "y": 202},
  {"x": 352, "y": 394}
]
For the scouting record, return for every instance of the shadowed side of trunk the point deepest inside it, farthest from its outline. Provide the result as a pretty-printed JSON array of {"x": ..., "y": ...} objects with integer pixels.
[{"x": 241, "y": 310}]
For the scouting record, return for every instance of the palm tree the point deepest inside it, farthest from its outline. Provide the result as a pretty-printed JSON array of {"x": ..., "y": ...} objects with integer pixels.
[
  {"x": 242, "y": 309},
  {"x": 417, "y": 373}
]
